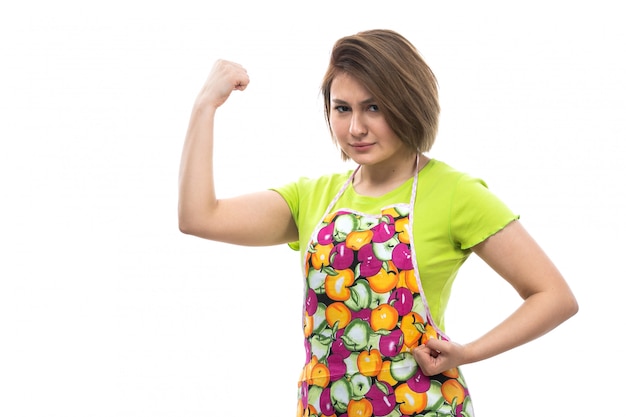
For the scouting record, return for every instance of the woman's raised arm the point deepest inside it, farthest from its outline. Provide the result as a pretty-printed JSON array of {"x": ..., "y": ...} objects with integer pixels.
[{"x": 257, "y": 219}]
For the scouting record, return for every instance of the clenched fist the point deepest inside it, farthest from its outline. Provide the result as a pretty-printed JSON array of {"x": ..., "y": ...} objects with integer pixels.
[{"x": 224, "y": 78}]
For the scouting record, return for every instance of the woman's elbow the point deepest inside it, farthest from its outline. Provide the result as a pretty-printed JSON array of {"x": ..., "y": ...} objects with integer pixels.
[
  {"x": 184, "y": 226},
  {"x": 565, "y": 303},
  {"x": 188, "y": 223},
  {"x": 571, "y": 306}
]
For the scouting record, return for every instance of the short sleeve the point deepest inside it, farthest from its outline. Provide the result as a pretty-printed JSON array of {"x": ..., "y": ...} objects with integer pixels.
[
  {"x": 476, "y": 213},
  {"x": 290, "y": 192},
  {"x": 307, "y": 199}
]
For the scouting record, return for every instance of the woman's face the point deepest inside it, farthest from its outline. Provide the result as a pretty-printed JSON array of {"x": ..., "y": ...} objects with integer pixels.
[{"x": 359, "y": 127}]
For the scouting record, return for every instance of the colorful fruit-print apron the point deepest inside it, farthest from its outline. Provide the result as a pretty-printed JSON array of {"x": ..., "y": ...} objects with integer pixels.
[{"x": 363, "y": 311}]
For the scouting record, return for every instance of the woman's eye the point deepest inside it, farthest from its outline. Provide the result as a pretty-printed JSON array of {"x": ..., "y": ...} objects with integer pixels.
[
  {"x": 373, "y": 107},
  {"x": 342, "y": 109}
]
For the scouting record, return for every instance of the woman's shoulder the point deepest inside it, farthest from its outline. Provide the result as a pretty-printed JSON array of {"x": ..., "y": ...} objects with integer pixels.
[
  {"x": 443, "y": 185},
  {"x": 440, "y": 174},
  {"x": 439, "y": 167}
]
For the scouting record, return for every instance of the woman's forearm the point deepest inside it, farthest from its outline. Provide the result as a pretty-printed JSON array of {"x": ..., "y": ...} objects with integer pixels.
[
  {"x": 539, "y": 314},
  {"x": 196, "y": 179}
]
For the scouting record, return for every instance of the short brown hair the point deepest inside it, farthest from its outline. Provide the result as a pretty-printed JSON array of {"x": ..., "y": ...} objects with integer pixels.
[{"x": 397, "y": 76}]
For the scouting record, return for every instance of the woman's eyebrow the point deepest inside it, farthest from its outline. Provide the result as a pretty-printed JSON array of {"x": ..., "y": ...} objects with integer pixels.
[{"x": 366, "y": 101}]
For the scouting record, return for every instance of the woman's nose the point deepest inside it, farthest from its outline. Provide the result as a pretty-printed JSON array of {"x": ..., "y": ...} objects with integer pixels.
[{"x": 357, "y": 126}]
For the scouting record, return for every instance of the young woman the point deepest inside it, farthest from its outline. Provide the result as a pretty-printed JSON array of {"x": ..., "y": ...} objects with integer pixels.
[{"x": 381, "y": 244}]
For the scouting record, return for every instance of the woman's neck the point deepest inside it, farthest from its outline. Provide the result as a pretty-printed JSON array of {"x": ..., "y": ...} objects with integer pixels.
[{"x": 375, "y": 180}]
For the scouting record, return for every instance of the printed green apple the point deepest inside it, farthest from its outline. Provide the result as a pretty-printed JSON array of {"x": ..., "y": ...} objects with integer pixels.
[
  {"x": 356, "y": 335},
  {"x": 379, "y": 298},
  {"x": 314, "y": 396},
  {"x": 435, "y": 399},
  {"x": 403, "y": 209},
  {"x": 374, "y": 341},
  {"x": 319, "y": 318},
  {"x": 315, "y": 280},
  {"x": 467, "y": 406},
  {"x": 367, "y": 222},
  {"x": 340, "y": 394},
  {"x": 403, "y": 366},
  {"x": 344, "y": 224},
  {"x": 360, "y": 295},
  {"x": 351, "y": 362},
  {"x": 444, "y": 409},
  {"x": 384, "y": 250},
  {"x": 320, "y": 344},
  {"x": 361, "y": 384},
  {"x": 418, "y": 305}
]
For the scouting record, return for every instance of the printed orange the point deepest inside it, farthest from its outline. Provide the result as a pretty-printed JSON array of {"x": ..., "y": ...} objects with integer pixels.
[
  {"x": 338, "y": 313},
  {"x": 384, "y": 317},
  {"x": 452, "y": 389},
  {"x": 358, "y": 238},
  {"x": 360, "y": 408},
  {"x": 385, "y": 280},
  {"x": 370, "y": 362},
  {"x": 411, "y": 402},
  {"x": 385, "y": 374},
  {"x": 321, "y": 255},
  {"x": 410, "y": 326},
  {"x": 336, "y": 286}
]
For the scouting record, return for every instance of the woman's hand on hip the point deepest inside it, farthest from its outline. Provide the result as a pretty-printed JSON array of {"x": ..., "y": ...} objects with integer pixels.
[{"x": 437, "y": 356}]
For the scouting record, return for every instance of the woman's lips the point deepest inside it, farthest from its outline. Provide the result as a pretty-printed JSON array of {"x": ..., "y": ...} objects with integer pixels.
[{"x": 362, "y": 146}]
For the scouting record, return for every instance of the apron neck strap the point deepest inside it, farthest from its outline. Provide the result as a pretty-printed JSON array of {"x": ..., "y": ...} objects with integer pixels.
[{"x": 351, "y": 179}]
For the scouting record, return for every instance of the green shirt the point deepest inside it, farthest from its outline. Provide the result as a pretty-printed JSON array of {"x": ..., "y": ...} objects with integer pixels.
[{"x": 453, "y": 212}]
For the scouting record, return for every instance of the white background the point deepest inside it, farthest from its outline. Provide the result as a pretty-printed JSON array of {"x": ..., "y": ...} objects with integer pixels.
[{"x": 107, "y": 310}]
